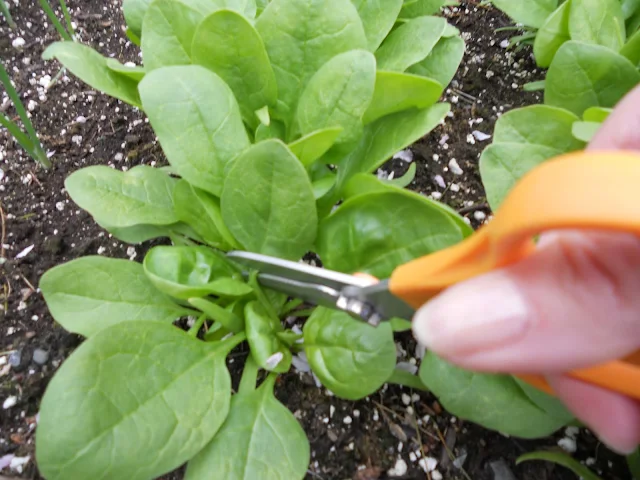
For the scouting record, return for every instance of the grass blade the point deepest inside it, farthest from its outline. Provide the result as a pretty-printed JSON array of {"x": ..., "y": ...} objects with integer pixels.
[
  {"x": 560, "y": 459},
  {"x": 4, "y": 8},
  {"x": 67, "y": 18},
  {"x": 21, "y": 137},
  {"x": 56, "y": 23}
]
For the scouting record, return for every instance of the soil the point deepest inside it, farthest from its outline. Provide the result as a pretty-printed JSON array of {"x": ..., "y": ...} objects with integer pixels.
[{"x": 349, "y": 440}]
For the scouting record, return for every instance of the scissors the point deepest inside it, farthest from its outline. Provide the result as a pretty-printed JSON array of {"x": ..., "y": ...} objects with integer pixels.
[{"x": 584, "y": 190}]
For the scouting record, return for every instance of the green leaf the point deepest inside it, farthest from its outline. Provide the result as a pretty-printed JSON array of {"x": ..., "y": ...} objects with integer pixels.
[
  {"x": 201, "y": 211},
  {"x": 583, "y": 76},
  {"x": 128, "y": 376},
  {"x": 596, "y": 114},
  {"x": 410, "y": 43},
  {"x": 531, "y": 13},
  {"x": 351, "y": 358},
  {"x": 502, "y": 165},
  {"x": 135, "y": 39},
  {"x": 378, "y": 18},
  {"x": 631, "y": 49},
  {"x": 552, "y": 35},
  {"x": 197, "y": 120},
  {"x": 134, "y": 11},
  {"x": 538, "y": 125},
  {"x": 268, "y": 203},
  {"x": 92, "y": 293},
  {"x": 260, "y": 439},
  {"x": 263, "y": 341},
  {"x": 338, "y": 95},
  {"x": 585, "y": 131},
  {"x": 377, "y": 232},
  {"x": 142, "y": 195},
  {"x": 227, "y": 44},
  {"x": 534, "y": 86},
  {"x": 186, "y": 272},
  {"x": 495, "y": 402},
  {"x": 91, "y": 67},
  {"x": 629, "y": 8},
  {"x": 134, "y": 73},
  {"x": 300, "y": 37},
  {"x": 561, "y": 459},
  {"x": 315, "y": 144},
  {"x": 229, "y": 320},
  {"x": 405, "y": 180},
  {"x": 138, "y": 233},
  {"x": 599, "y": 22},
  {"x": 633, "y": 461},
  {"x": 421, "y": 8},
  {"x": 442, "y": 63},
  {"x": 275, "y": 129},
  {"x": 395, "y": 92},
  {"x": 550, "y": 404},
  {"x": 323, "y": 186}
]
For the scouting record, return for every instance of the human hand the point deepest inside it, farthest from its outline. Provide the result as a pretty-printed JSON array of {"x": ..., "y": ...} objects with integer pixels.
[{"x": 573, "y": 304}]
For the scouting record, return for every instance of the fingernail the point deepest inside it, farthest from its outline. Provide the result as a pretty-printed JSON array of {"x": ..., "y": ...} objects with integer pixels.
[
  {"x": 477, "y": 316},
  {"x": 617, "y": 447}
]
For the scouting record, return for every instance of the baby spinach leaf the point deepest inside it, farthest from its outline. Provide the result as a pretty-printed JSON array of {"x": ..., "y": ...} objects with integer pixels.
[
  {"x": 420, "y": 8},
  {"x": 562, "y": 459},
  {"x": 350, "y": 357},
  {"x": 126, "y": 376},
  {"x": 406, "y": 179},
  {"x": 134, "y": 11},
  {"x": 201, "y": 211},
  {"x": 300, "y": 37},
  {"x": 268, "y": 202},
  {"x": 378, "y": 18},
  {"x": 229, "y": 320},
  {"x": 167, "y": 32},
  {"x": 142, "y": 195},
  {"x": 197, "y": 120},
  {"x": 377, "y": 232},
  {"x": 91, "y": 67},
  {"x": 264, "y": 343},
  {"x": 400, "y": 50},
  {"x": 631, "y": 49},
  {"x": 186, "y": 272},
  {"x": 493, "y": 401},
  {"x": 138, "y": 233},
  {"x": 531, "y": 13},
  {"x": 550, "y": 404},
  {"x": 92, "y": 293},
  {"x": 584, "y": 131},
  {"x": 134, "y": 73},
  {"x": 629, "y": 8},
  {"x": 600, "y": 22},
  {"x": 502, "y": 165},
  {"x": 227, "y": 44},
  {"x": 395, "y": 92},
  {"x": 552, "y": 35},
  {"x": 315, "y": 144},
  {"x": 583, "y": 76},
  {"x": 338, "y": 95},
  {"x": 442, "y": 63},
  {"x": 259, "y": 439},
  {"x": 275, "y": 129},
  {"x": 596, "y": 114}
]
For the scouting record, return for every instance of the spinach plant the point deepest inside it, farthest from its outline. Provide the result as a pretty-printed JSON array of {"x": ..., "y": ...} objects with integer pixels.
[{"x": 273, "y": 116}]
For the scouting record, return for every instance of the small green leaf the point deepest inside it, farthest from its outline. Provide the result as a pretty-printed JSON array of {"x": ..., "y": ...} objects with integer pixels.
[
  {"x": 227, "y": 44},
  {"x": 598, "y": 22},
  {"x": 92, "y": 293},
  {"x": 322, "y": 186},
  {"x": 268, "y": 202},
  {"x": 561, "y": 459},
  {"x": 134, "y": 73},
  {"x": 266, "y": 348},
  {"x": 91, "y": 67},
  {"x": 395, "y": 92},
  {"x": 275, "y": 129},
  {"x": 350, "y": 357},
  {"x": 596, "y": 114},
  {"x": 410, "y": 43},
  {"x": 135, "y": 39},
  {"x": 126, "y": 376},
  {"x": 142, "y": 195},
  {"x": 552, "y": 35},
  {"x": 534, "y": 86},
  {"x": 584, "y": 131},
  {"x": 631, "y": 49},
  {"x": 531, "y": 13},
  {"x": 134, "y": 11},
  {"x": 442, "y": 63},
  {"x": 378, "y": 18},
  {"x": 420, "y": 8},
  {"x": 229, "y": 320},
  {"x": 263, "y": 115},
  {"x": 186, "y": 272},
  {"x": 406, "y": 179},
  {"x": 315, "y": 144},
  {"x": 583, "y": 76},
  {"x": 261, "y": 439},
  {"x": 196, "y": 117}
]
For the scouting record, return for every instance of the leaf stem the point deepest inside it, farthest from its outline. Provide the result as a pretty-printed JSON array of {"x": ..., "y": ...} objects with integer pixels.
[
  {"x": 406, "y": 379},
  {"x": 193, "y": 331},
  {"x": 4, "y": 8},
  {"x": 262, "y": 298},
  {"x": 249, "y": 376}
]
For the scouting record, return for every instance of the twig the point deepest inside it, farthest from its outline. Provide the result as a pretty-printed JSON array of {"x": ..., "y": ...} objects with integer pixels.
[
  {"x": 449, "y": 452},
  {"x": 4, "y": 230},
  {"x": 33, "y": 289},
  {"x": 473, "y": 208}
]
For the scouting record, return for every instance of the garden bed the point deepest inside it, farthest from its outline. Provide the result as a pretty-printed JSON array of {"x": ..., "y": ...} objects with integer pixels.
[{"x": 42, "y": 228}]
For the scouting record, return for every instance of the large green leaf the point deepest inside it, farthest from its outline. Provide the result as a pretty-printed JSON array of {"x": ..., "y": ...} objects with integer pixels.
[
  {"x": 583, "y": 76},
  {"x": 268, "y": 202},
  {"x": 134, "y": 11},
  {"x": 493, "y": 401},
  {"x": 351, "y": 358},
  {"x": 300, "y": 37},
  {"x": 142, "y": 195},
  {"x": 92, "y": 293},
  {"x": 600, "y": 22},
  {"x": 531, "y": 13},
  {"x": 378, "y": 18},
  {"x": 136, "y": 400},
  {"x": 443, "y": 61},
  {"x": 226, "y": 43},
  {"x": 410, "y": 43},
  {"x": 91, "y": 67},
  {"x": 185, "y": 272},
  {"x": 197, "y": 119},
  {"x": 261, "y": 439},
  {"x": 377, "y": 232},
  {"x": 338, "y": 95},
  {"x": 263, "y": 341},
  {"x": 552, "y": 35}
]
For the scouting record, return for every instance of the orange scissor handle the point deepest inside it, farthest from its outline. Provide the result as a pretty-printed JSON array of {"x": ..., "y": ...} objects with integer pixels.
[{"x": 586, "y": 190}]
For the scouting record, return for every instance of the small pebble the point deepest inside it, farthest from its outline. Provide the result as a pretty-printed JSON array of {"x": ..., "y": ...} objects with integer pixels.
[
  {"x": 273, "y": 361},
  {"x": 480, "y": 216},
  {"x": 40, "y": 356},
  {"x": 118, "y": 157},
  {"x": 60, "y": 206},
  {"x": 455, "y": 188},
  {"x": 436, "y": 195},
  {"x": 439, "y": 181},
  {"x": 504, "y": 44},
  {"x": 399, "y": 469},
  {"x": 406, "y": 399},
  {"x": 404, "y": 155},
  {"x": 436, "y": 475},
  {"x": 10, "y": 402},
  {"x": 454, "y": 167},
  {"x": 347, "y": 420},
  {"x": 428, "y": 464},
  {"x": 15, "y": 358},
  {"x": 568, "y": 444},
  {"x": 480, "y": 136},
  {"x": 18, "y": 42}
]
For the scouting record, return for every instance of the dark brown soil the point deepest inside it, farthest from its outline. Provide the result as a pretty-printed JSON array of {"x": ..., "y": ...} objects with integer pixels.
[{"x": 37, "y": 212}]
